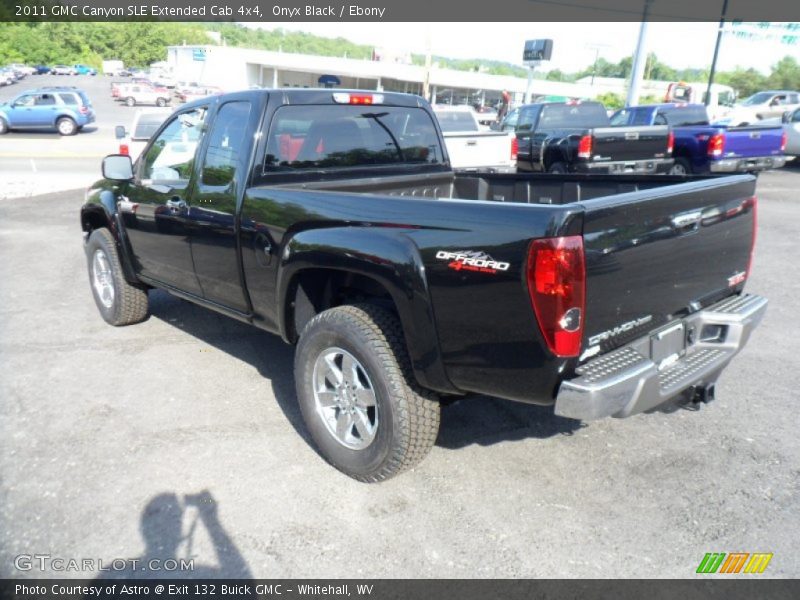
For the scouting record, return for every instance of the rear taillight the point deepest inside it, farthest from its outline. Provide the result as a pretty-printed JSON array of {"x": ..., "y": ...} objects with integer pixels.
[
  {"x": 716, "y": 144},
  {"x": 556, "y": 277},
  {"x": 670, "y": 142},
  {"x": 514, "y": 148},
  {"x": 123, "y": 149},
  {"x": 585, "y": 147},
  {"x": 783, "y": 141},
  {"x": 84, "y": 110},
  {"x": 752, "y": 203}
]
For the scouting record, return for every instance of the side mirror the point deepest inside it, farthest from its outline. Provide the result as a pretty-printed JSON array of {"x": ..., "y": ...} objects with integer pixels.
[
  {"x": 117, "y": 167},
  {"x": 119, "y": 132}
]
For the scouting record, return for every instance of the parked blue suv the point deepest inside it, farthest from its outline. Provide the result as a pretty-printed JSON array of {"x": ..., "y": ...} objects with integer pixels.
[{"x": 65, "y": 109}]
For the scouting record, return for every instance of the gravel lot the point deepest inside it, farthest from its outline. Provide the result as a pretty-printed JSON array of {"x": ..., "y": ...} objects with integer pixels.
[{"x": 108, "y": 437}]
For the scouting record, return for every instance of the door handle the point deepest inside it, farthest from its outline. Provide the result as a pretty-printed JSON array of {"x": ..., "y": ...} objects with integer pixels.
[{"x": 176, "y": 203}]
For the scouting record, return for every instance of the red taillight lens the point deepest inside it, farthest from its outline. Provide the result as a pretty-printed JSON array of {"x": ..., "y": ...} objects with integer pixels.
[
  {"x": 84, "y": 110},
  {"x": 716, "y": 144},
  {"x": 585, "y": 147},
  {"x": 123, "y": 149},
  {"x": 783, "y": 142},
  {"x": 670, "y": 142},
  {"x": 556, "y": 276},
  {"x": 752, "y": 203},
  {"x": 514, "y": 148}
]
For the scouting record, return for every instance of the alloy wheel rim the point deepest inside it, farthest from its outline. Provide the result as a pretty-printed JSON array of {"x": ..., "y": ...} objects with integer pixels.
[
  {"x": 102, "y": 278},
  {"x": 65, "y": 127},
  {"x": 344, "y": 398}
]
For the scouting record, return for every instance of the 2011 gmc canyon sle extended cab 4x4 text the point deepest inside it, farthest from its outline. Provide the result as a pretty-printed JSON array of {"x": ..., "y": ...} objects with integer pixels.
[{"x": 334, "y": 220}]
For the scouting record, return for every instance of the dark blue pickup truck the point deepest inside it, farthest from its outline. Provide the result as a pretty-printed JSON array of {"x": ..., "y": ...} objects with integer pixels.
[{"x": 701, "y": 147}]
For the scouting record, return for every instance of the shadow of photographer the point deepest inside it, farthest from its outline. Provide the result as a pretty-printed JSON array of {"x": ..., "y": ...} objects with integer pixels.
[{"x": 169, "y": 525}]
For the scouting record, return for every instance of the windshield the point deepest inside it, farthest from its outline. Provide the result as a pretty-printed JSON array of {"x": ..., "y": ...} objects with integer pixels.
[
  {"x": 759, "y": 98},
  {"x": 314, "y": 137},
  {"x": 147, "y": 125}
]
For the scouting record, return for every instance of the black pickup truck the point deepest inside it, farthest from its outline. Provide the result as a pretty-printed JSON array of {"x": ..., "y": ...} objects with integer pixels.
[
  {"x": 334, "y": 220},
  {"x": 576, "y": 137}
]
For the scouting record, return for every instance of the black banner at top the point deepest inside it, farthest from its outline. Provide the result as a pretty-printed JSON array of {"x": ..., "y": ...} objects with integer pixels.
[{"x": 399, "y": 10}]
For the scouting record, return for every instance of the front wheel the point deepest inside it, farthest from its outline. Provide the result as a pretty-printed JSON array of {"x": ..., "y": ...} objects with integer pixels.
[
  {"x": 366, "y": 413},
  {"x": 3, "y": 126},
  {"x": 130, "y": 101},
  {"x": 119, "y": 302},
  {"x": 161, "y": 102}
]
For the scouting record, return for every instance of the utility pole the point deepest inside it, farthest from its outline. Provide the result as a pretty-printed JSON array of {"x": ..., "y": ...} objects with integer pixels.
[
  {"x": 716, "y": 52},
  {"x": 426, "y": 85},
  {"x": 639, "y": 60}
]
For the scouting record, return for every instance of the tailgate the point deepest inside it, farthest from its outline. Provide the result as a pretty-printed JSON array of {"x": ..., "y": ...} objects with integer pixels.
[
  {"x": 655, "y": 254},
  {"x": 473, "y": 150},
  {"x": 629, "y": 143},
  {"x": 744, "y": 142}
]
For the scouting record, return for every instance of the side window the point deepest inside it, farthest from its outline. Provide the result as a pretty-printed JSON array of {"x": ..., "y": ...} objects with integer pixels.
[
  {"x": 796, "y": 116},
  {"x": 660, "y": 119},
  {"x": 45, "y": 100},
  {"x": 25, "y": 100},
  {"x": 223, "y": 156},
  {"x": 526, "y": 118},
  {"x": 620, "y": 119},
  {"x": 70, "y": 99},
  {"x": 171, "y": 156}
]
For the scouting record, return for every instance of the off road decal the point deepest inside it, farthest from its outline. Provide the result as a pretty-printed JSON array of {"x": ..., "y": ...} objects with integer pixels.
[{"x": 472, "y": 260}]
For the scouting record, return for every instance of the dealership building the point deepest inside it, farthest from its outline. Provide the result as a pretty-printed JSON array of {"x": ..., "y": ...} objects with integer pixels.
[{"x": 239, "y": 68}]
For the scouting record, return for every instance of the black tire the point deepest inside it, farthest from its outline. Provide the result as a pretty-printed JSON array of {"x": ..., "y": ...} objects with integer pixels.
[
  {"x": 161, "y": 102},
  {"x": 681, "y": 166},
  {"x": 557, "y": 167},
  {"x": 4, "y": 128},
  {"x": 128, "y": 303},
  {"x": 130, "y": 101},
  {"x": 407, "y": 417},
  {"x": 66, "y": 126}
]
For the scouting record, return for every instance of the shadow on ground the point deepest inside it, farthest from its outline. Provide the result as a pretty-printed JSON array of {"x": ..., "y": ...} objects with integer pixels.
[{"x": 472, "y": 420}]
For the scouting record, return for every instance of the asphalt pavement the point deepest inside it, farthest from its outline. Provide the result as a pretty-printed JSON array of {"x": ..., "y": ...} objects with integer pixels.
[{"x": 181, "y": 438}]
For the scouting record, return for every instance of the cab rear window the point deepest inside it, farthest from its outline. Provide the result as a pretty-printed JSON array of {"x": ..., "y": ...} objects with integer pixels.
[{"x": 317, "y": 137}]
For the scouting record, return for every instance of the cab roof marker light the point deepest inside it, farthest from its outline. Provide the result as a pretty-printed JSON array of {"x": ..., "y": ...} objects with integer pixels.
[{"x": 346, "y": 98}]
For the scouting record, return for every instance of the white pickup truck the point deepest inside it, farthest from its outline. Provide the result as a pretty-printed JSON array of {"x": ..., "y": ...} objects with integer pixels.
[{"x": 472, "y": 146}]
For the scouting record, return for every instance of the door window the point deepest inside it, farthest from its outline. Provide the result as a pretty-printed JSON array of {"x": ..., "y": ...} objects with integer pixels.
[
  {"x": 225, "y": 144},
  {"x": 25, "y": 100},
  {"x": 45, "y": 100},
  {"x": 526, "y": 118},
  {"x": 170, "y": 158}
]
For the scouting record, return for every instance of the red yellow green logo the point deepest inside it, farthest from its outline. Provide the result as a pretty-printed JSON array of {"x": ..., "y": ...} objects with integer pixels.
[{"x": 735, "y": 562}]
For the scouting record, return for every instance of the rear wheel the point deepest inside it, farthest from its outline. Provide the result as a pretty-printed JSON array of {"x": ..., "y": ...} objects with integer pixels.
[
  {"x": 119, "y": 302},
  {"x": 557, "y": 167},
  {"x": 130, "y": 101},
  {"x": 66, "y": 126},
  {"x": 366, "y": 413},
  {"x": 3, "y": 126},
  {"x": 681, "y": 167}
]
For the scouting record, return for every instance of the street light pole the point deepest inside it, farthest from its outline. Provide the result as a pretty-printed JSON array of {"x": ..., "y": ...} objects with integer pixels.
[
  {"x": 716, "y": 52},
  {"x": 639, "y": 60}
]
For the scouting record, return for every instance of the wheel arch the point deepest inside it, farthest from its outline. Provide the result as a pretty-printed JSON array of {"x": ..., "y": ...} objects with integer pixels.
[
  {"x": 100, "y": 211},
  {"x": 318, "y": 272}
]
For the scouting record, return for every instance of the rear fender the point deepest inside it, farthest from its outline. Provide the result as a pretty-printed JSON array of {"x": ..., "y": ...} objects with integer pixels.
[{"x": 389, "y": 258}]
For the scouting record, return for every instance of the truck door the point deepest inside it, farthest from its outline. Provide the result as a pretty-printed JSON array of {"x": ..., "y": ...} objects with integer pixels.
[
  {"x": 213, "y": 216},
  {"x": 156, "y": 210},
  {"x": 527, "y": 154}
]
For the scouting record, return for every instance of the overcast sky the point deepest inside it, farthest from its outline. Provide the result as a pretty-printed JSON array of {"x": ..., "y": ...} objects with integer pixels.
[{"x": 679, "y": 45}]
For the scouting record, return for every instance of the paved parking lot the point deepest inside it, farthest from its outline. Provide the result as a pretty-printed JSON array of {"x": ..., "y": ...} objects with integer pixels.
[{"x": 180, "y": 438}]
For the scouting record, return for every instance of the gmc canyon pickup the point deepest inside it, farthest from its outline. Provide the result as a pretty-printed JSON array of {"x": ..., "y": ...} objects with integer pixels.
[{"x": 334, "y": 219}]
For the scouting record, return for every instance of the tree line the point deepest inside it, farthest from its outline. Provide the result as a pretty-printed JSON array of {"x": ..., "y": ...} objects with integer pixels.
[{"x": 142, "y": 43}]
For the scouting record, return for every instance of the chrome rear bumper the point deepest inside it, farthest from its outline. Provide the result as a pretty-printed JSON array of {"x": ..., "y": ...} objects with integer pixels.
[{"x": 627, "y": 381}]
